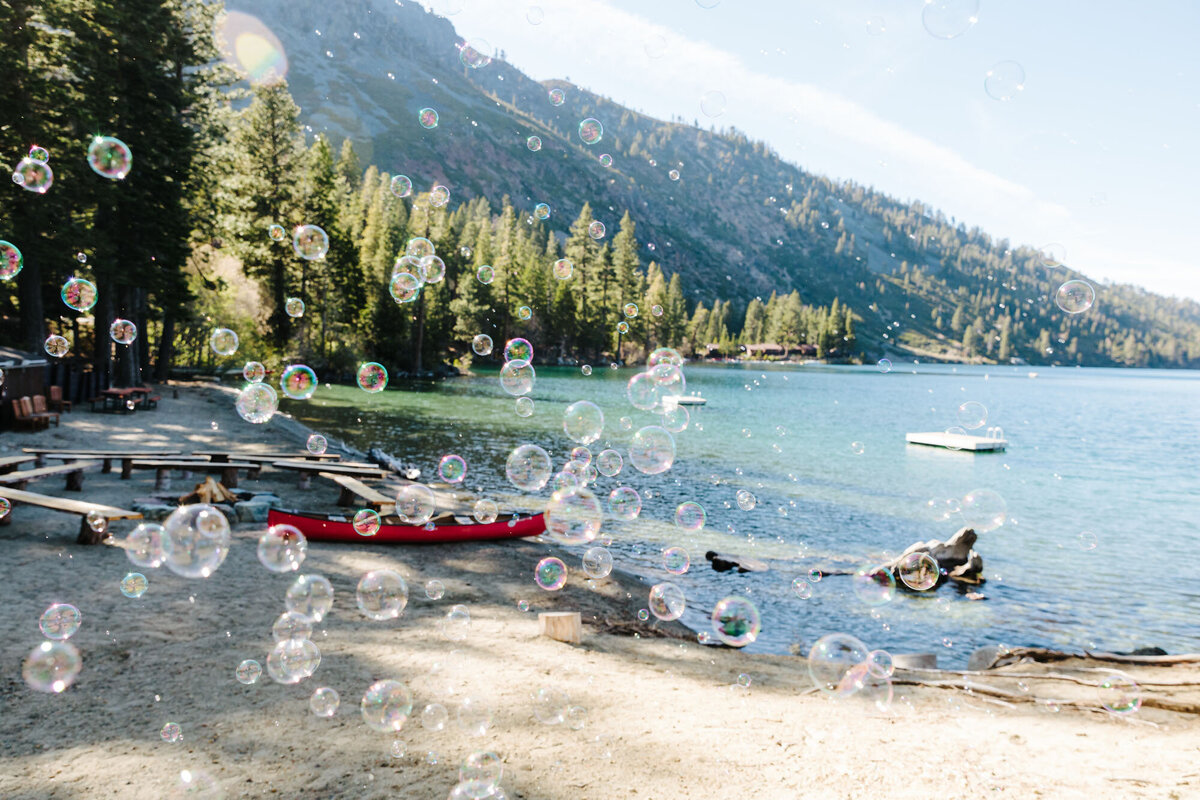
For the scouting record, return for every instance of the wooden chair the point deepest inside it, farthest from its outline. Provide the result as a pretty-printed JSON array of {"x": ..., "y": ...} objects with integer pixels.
[
  {"x": 56, "y": 399},
  {"x": 40, "y": 410},
  {"x": 23, "y": 413}
]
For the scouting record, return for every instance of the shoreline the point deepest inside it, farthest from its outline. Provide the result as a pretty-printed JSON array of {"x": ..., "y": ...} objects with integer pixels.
[{"x": 663, "y": 716}]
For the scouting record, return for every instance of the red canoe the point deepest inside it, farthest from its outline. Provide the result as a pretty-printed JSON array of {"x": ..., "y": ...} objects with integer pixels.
[{"x": 338, "y": 528}]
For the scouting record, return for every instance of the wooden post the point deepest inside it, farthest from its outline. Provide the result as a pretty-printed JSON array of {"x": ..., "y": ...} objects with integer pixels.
[
  {"x": 162, "y": 479},
  {"x": 107, "y": 468},
  {"x": 305, "y": 481},
  {"x": 126, "y": 468},
  {"x": 89, "y": 536},
  {"x": 563, "y": 626},
  {"x": 229, "y": 477},
  {"x": 75, "y": 481}
]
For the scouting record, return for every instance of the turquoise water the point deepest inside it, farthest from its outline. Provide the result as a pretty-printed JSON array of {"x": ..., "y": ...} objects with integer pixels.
[{"x": 1104, "y": 451}]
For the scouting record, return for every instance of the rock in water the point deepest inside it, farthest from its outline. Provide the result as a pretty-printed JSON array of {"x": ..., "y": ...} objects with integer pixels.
[{"x": 955, "y": 557}]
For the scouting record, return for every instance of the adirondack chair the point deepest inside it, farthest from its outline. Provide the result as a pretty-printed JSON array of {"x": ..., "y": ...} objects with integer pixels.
[
  {"x": 40, "y": 410},
  {"x": 23, "y": 414},
  {"x": 56, "y": 399}
]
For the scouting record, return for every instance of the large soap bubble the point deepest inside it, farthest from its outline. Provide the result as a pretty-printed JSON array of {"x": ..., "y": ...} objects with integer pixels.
[
  {"x": 583, "y": 422},
  {"x": 386, "y": 706},
  {"x": 528, "y": 467},
  {"x": 199, "y": 540},
  {"x": 652, "y": 450},
  {"x": 415, "y": 504},
  {"x": 310, "y": 595},
  {"x": 736, "y": 621},
  {"x": 837, "y": 664},
  {"x": 516, "y": 377},
  {"x": 282, "y": 548},
  {"x": 257, "y": 403},
  {"x": 573, "y": 516},
  {"x": 382, "y": 594}
]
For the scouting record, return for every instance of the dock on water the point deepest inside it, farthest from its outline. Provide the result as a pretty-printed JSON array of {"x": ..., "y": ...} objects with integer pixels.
[{"x": 957, "y": 441}]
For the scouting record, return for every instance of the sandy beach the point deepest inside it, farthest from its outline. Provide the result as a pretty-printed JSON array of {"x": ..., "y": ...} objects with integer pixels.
[{"x": 660, "y": 715}]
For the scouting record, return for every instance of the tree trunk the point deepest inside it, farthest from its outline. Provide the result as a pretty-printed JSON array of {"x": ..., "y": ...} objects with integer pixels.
[
  {"x": 420, "y": 332},
  {"x": 101, "y": 343},
  {"x": 166, "y": 345}
]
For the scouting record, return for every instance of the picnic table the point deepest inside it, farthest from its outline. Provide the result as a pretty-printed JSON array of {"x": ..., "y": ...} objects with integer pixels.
[
  {"x": 119, "y": 399},
  {"x": 81, "y": 507}
]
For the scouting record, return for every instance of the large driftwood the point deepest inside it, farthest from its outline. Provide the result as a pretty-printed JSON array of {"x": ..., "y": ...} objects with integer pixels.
[
  {"x": 1016, "y": 655},
  {"x": 955, "y": 558}
]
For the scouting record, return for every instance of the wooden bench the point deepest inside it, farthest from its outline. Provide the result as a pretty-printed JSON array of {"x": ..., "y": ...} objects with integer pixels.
[
  {"x": 82, "y": 508},
  {"x": 307, "y": 468},
  {"x": 162, "y": 480},
  {"x": 354, "y": 488},
  {"x": 72, "y": 469},
  {"x": 105, "y": 456},
  {"x": 265, "y": 458},
  {"x": 9, "y": 463}
]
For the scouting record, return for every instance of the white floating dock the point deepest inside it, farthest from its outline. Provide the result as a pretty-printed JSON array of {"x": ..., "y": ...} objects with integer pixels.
[
  {"x": 956, "y": 441},
  {"x": 684, "y": 400}
]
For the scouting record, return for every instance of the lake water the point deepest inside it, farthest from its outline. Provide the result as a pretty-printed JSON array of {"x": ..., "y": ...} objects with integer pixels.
[{"x": 1110, "y": 452}]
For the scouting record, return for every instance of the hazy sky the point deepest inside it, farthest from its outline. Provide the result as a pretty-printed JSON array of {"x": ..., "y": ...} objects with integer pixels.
[{"x": 1098, "y": 152}]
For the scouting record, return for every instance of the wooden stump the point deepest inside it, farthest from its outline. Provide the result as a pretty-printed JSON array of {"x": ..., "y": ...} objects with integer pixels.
[
  {"x": 126, "y": 468},
  {"x": 107, "y": 468},
  {"x": 89, "y": 536},
  {"x": 229, "y": 477},
  {"x": 563, "y": 626},
  {"x": 914, "y": 660},
  {"x": 162, "y": 479},
  {"x": 305, "y": 481},
  {"x": 75, "y": 481}
]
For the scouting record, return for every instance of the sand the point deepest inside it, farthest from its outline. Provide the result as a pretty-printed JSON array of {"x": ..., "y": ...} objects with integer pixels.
[{"x": 663, "y": 716}]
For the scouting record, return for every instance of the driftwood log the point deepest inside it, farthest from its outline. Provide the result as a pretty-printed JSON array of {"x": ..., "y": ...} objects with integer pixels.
[
  {"x": 211, "y": 491},
  {"x": 956, "y": 558}
]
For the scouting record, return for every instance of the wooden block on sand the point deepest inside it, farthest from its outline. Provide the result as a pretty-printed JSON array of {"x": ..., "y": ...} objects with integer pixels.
[
  {"x": 563, "y": 626},
  {"x": 914, "y": 660}
]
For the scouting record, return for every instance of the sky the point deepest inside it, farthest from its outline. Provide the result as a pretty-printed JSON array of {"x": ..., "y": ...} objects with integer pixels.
[{"x": 1097, "y": 152}]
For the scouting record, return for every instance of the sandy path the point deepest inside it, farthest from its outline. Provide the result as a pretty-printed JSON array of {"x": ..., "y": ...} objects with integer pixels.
[{"x": 664, "y": 716}]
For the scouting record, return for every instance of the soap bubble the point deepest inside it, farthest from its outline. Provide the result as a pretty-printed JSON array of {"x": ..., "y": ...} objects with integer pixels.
[
  {"x": 310, "y": 595},
  {"x": 534, "y": 143},
  {"x": 457, "y": 623},
  {"x": 293, "y": 660},
  {"x": 1119, "y": 694},
  {"x": 366, "y": 522},
  {"x": 1004, "y": 81},
  {"x": 324, "y": 702},
  {"x": 550, "y": 574},
  {"x": 122, "y": 331},
  {"x": 282, "y": 548},
  {"x": 372, "y": 377},
  {"x": 197, "y": 784},
  {"x": 652, "y": 450},
  {"x": 583, "y": 422},
  {"x": 401, "y": 186},
  {"x": 746, "y": 500},
  {"x": 735, "y": 621},
  {"x": 550, "y": 705},
  {"x": 1075, "y": 297},
  {"x": 673, "y": 174},
  {"x": 78, "y": 294},
  {"x": 310, "y": 242},
  {"x": 145, "y": 546},
  {"x": 984, "y": 510},
  {"x": 248, "y": 672},
  {"x": 432, "y": 269},
  {"x": 434, "y": 589},
  {"x": 51, "y": 667},
  {"x": 12, "y": 262},
  {"x": 198, "y": 540},
  {"x": 404, "y": 287},
  {"x": 254, "y": 372},
  {"x": 528, "y": 467},
  {"x": 879, "y": 664},
  {"x": 972, "y": 414},
  {"x": 667, "y": 601},
  {"x": 525, "y": 313},
  {"x": 690, "y": 516},
  {"x": 516, "y": 377},
  {"x": 482, "y": 767},
  {"x": 596, "y": 229},
  {"x": 382, "y": 594},
  {"x": 563, "y": 269},
  {"x": 918, "y": 571},
  {"x": 1052, "y": 255},
  {"x": 473, "y": 54},
  {"x": 33, "y": 175},
  {"x": 386, "y": 706},
  {"x": 606, "y": 160},
  {"x": 428, "y": 118},
  {"x": 134, "y": 585},
  {"x": 556, "y": 97},
  {"x": 434, "y": 717},
  {"x": 713, "y": 103},
  {"x": 60, "y": 621},
  {"x": 294, "y": 307},
  {"x": 109, "y": 157},
  {"x": 835, "y": 663},
  {"x": 223, "y": 341},
  {"x": 524, "y": 407},
  {"x": 96, "y": 521},
  {"x": 292, "y": 625},
  {"x": 1087, "y": 540},
  {"x": 597, "y": 562},
  {"x": 874, "y": 585},
  {"x": 591, "y": 131},
  {"x": 257, "y": 403},
  {"x": 5, "y": 503},
  {"x": 573, "y": 516},
  {"x": 415, "y": 504},
  {"x": 482, "y": 344},
  {"x": 298, "y": 382},
  {"x": 439, "y": 196},
  {"x": 56, "y": 346},
  {"x": 316, "y": 444},
  {"x": 474, "y": 716},
  {"x": 452, "y": 468},
  {"x": 947, "y": 19},
  {"x": 171, "y": 732},
  {"x": 541, "y": 211},
  {"x": 857, "y": 448},
  {"x": 884, "y": 365},
  {"x": 802, "y": 588},
  {"x": 485, "y": 511},
  {"x": 485, "y": 274},
  {"x": 276, "y": 232},
  {"x": 609, "y": 463},
  {"x": 624, "y": 503},
  {"x": 676, "y": 560}
]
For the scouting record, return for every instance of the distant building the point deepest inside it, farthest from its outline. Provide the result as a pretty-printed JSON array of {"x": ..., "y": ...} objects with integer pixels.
[{"x": 765, "y": 350}]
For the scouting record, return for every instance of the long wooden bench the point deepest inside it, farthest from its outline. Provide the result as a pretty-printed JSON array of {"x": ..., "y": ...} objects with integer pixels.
[
  {"x": 80, "y": 507},
  {"x": 162, "y": 481},
  {"x": 107, "y": 456},
  {"x": 9, "y": 463},
  {"x": 72, "y": 469},
  {"x": 265, "y": 458},
  {"x": 308, "y": 468},
  {"x": 354, "y": 488}
]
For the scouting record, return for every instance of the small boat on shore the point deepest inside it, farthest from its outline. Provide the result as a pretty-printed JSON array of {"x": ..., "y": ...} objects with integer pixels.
[{"x": 447, "y": 528}]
